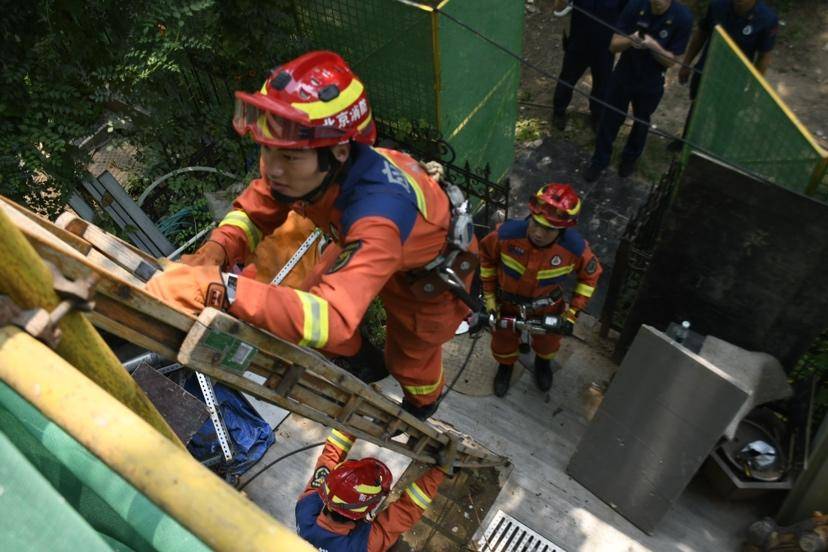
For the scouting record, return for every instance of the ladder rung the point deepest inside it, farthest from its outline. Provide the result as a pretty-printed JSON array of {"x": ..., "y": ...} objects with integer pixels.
[
  {"x": 349, "y": 408},
  {"x": 290, "y": 379}
]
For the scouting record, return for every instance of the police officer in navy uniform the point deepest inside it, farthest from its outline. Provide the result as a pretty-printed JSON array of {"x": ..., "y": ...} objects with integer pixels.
[
  {"x": 587, "y": 45},
  {"x": 657, "y": 35},
  {"x": 750, "y": 23}
]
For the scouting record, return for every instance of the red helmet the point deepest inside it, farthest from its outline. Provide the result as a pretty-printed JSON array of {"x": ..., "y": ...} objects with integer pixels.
[
  {"x": 555, "y": 206},
  {"x": 356, "y": 488},
  {"x": 311, "y": 102}
]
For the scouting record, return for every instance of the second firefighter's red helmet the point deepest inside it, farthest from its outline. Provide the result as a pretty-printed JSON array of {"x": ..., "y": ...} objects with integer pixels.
[
  {"x": 313, "y": 101},
  {"x": 556, "y": 206},
  {"x": 356, "y": 488}
]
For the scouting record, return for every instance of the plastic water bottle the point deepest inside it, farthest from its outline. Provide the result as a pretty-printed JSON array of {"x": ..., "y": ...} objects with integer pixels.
[{"x": 683, "y": 331}]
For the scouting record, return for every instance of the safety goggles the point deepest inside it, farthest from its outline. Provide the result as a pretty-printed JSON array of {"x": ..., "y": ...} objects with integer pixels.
[
  {"x": 550, "y": 213},
  {"x": 271, "y": 129}
]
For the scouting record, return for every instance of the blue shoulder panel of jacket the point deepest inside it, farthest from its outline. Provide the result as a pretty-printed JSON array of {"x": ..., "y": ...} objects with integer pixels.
[
  {"x": 513, "y": 229},
  {"x": 368, "y": 191}
]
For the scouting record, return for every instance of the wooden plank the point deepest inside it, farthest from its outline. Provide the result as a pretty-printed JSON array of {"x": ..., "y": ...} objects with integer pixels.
[
  {"x": 291, "y": 378},
  {"x": 60, "y": 239},
  {"x": 349, "y": 408},
  {"x": 135, "y": 261}
]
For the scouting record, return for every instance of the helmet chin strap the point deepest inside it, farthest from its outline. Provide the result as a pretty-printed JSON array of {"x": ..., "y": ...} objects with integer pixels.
[{"x": 326, "y": 162}]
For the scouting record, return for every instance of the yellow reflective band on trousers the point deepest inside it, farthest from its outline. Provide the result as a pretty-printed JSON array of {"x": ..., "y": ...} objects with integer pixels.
[
  {"x": 506, "y": 355},
  {"x": 549, "y": 356},
  {"x": 315, "y": 322},
  {"x": 417, "y": 496},
  {"x": 418, "y": 192},
  {"x": 424, "y": 389},
  {"x": 512, "y": 263},
  {"x": 555, "y": 272},
  {"x": 585, "y": 290},
  {"x": 486, "y": 272},
  {"x": 339, "y": 439},
  {"x": 320, "y": 109},
  {"x": 240, "y": 220}
]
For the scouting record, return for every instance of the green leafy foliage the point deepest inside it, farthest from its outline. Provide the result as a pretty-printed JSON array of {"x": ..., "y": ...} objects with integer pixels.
[{"x": 167, "y": 68}]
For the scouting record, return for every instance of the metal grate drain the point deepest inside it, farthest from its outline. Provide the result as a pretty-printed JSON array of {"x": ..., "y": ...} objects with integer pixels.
[{"x": 506, "y": 534}]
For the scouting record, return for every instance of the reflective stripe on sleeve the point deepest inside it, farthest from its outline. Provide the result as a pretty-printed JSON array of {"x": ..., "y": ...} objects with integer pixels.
[
  {"x": 315, "y": 322},
  {"x": 417, "y": 496},
  {"x": 240, "y": 220},
  {"x": 340, "y": 440}
]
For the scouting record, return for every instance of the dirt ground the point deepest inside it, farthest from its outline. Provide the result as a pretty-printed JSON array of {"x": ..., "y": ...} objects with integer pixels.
[{"x": 798, "y": 72}]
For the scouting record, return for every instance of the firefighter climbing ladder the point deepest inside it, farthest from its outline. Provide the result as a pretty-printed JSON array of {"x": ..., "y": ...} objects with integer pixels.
[{"x": 296, "y": 378}]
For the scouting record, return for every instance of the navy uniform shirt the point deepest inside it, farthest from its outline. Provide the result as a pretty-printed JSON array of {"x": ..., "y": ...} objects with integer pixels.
[
  {"x": 671, "y": 29},
  {"x": 585, "y": 33},
  {"x": 754, "y": 32}
]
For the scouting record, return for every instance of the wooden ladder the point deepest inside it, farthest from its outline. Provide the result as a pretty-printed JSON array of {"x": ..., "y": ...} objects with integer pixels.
[{"x": 297, "y": 379}]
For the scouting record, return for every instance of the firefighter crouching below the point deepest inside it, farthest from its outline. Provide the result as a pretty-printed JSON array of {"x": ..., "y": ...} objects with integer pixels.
[
  {"x": 338, "y": 509},
  {"x": 387, "y": 218},
  {"x": 522, "y": 264}
]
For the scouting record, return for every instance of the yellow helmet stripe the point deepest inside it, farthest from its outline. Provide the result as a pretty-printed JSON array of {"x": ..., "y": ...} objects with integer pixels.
[
  {"x": 368, "y": 489},
  {"x": 320, "y": 109},
  {"x": 542, "y": 221},
  {"x": 574, "y": 210},
  {"x": 315, "y": 323},
  {"x": 241, "y": 220},
  {"x": 337, "y": 500}
]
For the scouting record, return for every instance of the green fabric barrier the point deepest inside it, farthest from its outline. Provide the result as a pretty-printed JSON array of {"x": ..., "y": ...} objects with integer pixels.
[
  {"x": 33, "y": 516},
  {"x": 108, "y": 503},
  {"x": 736, "y": 118},
  {"x": 423, "y": 70}
]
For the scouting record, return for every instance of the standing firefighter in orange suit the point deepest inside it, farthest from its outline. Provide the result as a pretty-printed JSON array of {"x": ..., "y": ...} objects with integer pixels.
[
  {"x": 523, "y": 263},
  {"x": 391, "y": 224},
  {"x": 338, "y": 509}
]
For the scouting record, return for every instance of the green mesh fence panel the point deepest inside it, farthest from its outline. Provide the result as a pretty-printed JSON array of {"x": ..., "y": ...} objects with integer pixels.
[
  {"x": 740, "y": 119},
  {"x": 93, "y": 495},
  {"x": 424, "y": 71}
]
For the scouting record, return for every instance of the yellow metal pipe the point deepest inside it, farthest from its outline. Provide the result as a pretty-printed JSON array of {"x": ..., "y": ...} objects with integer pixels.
[
  {"x": 209, "y": 508},
  {"x": 26, "y": 279}
]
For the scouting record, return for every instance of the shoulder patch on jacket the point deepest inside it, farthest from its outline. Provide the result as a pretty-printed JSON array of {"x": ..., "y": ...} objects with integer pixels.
[
  {"x": 319, "y": 477},
  {"x": 573, "y": 242},
  {"x": 344, "y": 256},
  {"x": 513, "y": 229}
]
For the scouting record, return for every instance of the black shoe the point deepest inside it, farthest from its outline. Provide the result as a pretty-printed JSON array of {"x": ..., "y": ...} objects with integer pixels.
[
  {"x": 502, "y": 379},
  {"x": 593, "y": 173},
  {"x": 559, "y": 121},
  {"x": 420, "y": 412},
  {"x": 675, "y": 146},
  {"x": 626, "y": 168},
  {"x": 543, "y": 373},
  {"x": 368, "y": 364}
]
